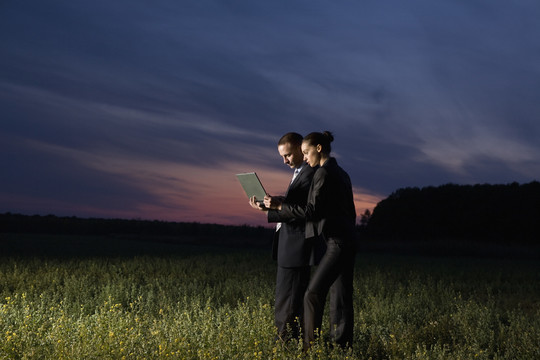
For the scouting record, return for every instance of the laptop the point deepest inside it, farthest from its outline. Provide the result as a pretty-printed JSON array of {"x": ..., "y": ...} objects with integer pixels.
[{"x": 252, "y": 185}]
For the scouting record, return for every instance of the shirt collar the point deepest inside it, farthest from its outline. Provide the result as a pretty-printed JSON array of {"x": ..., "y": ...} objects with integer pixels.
[{"x": 298, "y": 169}]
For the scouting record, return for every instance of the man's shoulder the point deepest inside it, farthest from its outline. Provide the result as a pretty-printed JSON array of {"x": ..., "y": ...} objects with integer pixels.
[{"x": 306, "y": 176}]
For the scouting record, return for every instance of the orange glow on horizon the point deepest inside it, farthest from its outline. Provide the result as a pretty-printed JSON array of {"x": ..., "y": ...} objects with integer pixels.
[{"x": 175, "y": 192}]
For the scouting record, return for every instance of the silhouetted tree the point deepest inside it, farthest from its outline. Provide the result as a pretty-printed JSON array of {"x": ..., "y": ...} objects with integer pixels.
[
  {"x": 364, "y": 218},
  {"x": 494, "y": 213}
]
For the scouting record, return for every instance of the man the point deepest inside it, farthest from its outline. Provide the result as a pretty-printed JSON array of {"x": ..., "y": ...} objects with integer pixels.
[{"x": 294, "y": 253}]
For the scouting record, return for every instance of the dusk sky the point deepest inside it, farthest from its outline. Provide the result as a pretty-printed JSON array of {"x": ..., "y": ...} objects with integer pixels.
[{"x": 146, "y": 109}]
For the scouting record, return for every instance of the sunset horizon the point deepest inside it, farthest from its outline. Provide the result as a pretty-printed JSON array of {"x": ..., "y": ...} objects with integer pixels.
[{"x": 148, "y": 110}]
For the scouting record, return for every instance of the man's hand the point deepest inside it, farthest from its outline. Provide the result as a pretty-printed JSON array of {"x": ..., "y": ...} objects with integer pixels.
[
  {"x": 256, "y": 205},
  {"x": 273, "y": 202}
]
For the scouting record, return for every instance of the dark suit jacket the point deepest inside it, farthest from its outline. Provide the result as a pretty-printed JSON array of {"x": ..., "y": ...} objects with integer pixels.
[
  {"x": 330, "y": 209},
  {"x": 290, "y": 247}
]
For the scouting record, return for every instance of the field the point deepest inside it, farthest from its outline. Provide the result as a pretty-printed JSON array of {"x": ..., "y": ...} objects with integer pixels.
[{"x": 99, "y": 298}]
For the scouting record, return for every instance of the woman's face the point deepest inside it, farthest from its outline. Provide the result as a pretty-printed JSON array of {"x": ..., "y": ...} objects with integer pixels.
[{"x": 312, "y": 154}]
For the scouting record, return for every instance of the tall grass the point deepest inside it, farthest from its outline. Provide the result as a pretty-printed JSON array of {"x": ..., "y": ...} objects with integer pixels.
[{"x": 218, "y": 304}]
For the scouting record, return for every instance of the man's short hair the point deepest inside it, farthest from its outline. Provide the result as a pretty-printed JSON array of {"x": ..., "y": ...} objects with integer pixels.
[{"x": 292, "y": 138}]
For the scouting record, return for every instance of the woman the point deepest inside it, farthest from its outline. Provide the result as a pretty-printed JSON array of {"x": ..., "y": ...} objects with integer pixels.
[{"x": 330, "y": 214}]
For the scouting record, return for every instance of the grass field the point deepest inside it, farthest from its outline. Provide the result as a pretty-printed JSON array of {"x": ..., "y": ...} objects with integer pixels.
[{"x": 99, "y": 298}]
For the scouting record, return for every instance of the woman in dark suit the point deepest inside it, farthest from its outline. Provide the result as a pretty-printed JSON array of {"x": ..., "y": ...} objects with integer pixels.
[{"x": 330, "y": 213}]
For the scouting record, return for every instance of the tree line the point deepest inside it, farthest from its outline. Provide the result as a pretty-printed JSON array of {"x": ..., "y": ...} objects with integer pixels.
[
  {"x": 481, "y": 213},
  {"x": 485, "y": 213},
  {"x": 51, "y": 224}
]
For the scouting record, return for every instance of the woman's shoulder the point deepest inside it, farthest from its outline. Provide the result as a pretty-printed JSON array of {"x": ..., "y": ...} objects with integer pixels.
[
  {"x": 320, "y": 172},
  {"x": 330, "y": 163}
]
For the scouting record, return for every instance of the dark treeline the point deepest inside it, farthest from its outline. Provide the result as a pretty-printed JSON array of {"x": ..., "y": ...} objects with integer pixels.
[
  {"x": 50, "y": 224},
  {"x": 504, "y": 214},
  {"x": 482, "y": 213}
]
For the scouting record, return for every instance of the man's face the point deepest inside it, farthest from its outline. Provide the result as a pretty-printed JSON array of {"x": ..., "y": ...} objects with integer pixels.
[{"x": 291, "y": 155}]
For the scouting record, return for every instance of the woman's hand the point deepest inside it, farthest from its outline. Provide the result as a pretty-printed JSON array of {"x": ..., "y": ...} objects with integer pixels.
[{"x": 273, "y": 202}]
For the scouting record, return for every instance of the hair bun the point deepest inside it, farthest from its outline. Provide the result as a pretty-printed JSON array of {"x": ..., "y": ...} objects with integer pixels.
[{"x": 329, "y": 135}]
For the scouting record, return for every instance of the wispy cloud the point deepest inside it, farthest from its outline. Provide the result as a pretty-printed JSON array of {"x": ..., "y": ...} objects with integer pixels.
[{"x": 141, "y": 109}]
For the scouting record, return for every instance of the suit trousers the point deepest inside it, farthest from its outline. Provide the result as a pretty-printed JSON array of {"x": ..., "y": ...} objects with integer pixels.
[
  {"x": 291, "y": 284},
  {"x": 334, "y": 274}
]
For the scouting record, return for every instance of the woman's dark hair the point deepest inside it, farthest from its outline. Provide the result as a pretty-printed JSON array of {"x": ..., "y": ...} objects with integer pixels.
[{"x": 324, "y": 139}]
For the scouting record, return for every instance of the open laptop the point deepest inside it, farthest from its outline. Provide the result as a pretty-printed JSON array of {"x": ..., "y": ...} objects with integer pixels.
[{"x": 252, "y": 185}]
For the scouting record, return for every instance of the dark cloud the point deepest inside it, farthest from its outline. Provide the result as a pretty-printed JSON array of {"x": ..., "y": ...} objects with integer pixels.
[
  {"x": 49, "y": 178},
  {"x": 416, "y": 93}
]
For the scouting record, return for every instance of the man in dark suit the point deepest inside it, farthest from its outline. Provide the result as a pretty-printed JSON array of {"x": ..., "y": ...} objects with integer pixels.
[
  {"x": 293, "y": 252},
  {"x": 330, "y": 214}
]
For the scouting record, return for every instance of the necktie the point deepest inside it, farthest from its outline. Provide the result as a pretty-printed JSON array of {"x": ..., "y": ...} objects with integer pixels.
[{"x": 296, "y": 172}]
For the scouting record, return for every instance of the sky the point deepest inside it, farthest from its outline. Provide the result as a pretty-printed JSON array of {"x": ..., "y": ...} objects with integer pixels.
[{"x": 147, "y": 109}]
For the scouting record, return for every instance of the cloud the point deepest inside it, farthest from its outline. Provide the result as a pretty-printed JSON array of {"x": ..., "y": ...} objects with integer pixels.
[
  {"x": 140, "y": 101},
  {"x": 59, "y": 184}
]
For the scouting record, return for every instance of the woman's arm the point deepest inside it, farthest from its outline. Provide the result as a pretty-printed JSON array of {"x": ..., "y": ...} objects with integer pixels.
[{"x": 315, "y": 203}]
